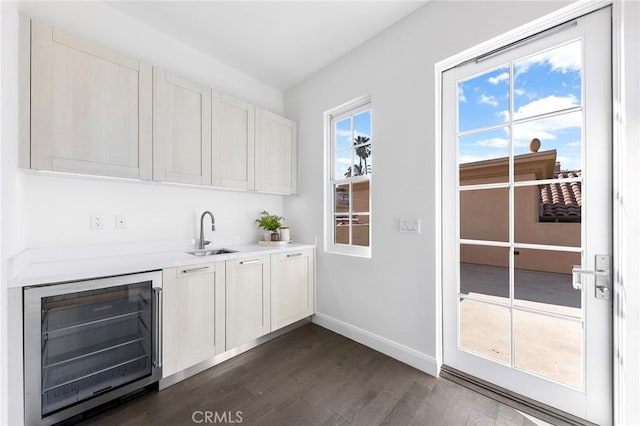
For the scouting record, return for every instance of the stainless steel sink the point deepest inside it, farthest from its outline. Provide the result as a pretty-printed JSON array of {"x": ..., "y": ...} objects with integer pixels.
[{"x": 210, "y": 252}]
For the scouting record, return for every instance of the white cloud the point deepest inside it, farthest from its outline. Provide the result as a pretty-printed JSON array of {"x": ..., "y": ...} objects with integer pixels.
[
  {"x": 499, "y": 78},
  {"x": 493, "y": 142},
  {"x": 519, "y": 92},
  {"x": 489, "y": 100},
  {"x": 545, "y": 129},
  {"x": 544, "y": 105},
  {"x": 503, "y": 115},
  {"x": 461, "y": 97},
  {"x": 569, "y": 163},
  {"x": 574, "y": 144},
  {"x": 563, "y": 59}
]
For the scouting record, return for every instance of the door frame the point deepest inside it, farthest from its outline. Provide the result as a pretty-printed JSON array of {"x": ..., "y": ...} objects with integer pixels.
[{"x": 543, "y": 23}]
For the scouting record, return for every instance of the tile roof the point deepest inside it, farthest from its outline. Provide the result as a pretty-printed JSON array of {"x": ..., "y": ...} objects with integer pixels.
[{"x": 561, "y": 202}]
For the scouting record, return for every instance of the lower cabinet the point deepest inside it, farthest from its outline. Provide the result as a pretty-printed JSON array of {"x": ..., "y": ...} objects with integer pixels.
[
  {"x": 248, "y": 299},
  {"x": 211, "y": 308},
  {"x": 292, "y": 289},
  {"x": 193, "y": 315}
]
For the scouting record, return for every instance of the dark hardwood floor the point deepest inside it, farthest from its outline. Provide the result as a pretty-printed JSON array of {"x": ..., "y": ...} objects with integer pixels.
[{"x": 312, "y": 376}]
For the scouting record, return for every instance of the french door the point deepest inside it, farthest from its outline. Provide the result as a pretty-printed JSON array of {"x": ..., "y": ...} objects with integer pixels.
[{"x": 527, "y": 225}]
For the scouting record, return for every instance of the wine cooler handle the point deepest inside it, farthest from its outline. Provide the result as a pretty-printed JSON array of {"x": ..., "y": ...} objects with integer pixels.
[{"x": 157, "y": 329}]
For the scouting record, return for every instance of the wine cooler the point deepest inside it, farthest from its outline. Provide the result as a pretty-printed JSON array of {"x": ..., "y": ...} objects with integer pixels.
[{"x": 88, "y": 342}]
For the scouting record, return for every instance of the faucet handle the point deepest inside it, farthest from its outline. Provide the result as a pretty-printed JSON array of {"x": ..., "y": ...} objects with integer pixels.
[{"x": 206, "y": 242}]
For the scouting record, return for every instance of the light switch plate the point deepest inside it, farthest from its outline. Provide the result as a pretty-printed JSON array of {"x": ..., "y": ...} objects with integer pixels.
[
  {"x": 97, "y": 222},
  {"x": 410, "y": 225}
]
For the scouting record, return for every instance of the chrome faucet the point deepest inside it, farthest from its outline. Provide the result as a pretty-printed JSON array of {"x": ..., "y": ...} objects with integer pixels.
[{"x": 202, "y": 242}]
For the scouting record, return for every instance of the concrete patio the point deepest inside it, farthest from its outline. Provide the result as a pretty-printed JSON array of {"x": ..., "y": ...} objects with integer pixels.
[{"x": 544, "y": 345}]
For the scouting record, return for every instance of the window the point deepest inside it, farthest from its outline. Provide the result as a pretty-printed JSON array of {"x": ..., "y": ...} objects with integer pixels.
[{"x": 349, "y": 169}]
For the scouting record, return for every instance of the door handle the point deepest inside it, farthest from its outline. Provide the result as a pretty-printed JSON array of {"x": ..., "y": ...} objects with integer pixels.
[
  {"x": 250, "y": 262},
  {"x": 602, "y": 274},
  {"x": 157, "y": 329}
]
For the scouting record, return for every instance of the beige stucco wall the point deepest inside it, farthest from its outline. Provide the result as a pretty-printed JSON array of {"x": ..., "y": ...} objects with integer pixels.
[{"x": 484, "y": 215}]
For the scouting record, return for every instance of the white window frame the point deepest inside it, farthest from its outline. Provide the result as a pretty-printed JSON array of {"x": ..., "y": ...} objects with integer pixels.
[{"x": 350, "y": 108}]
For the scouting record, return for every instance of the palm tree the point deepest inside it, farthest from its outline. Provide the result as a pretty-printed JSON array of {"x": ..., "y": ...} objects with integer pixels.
[
  {"x": 357, "y": 169},
  {"x": 364, "y": 152}
]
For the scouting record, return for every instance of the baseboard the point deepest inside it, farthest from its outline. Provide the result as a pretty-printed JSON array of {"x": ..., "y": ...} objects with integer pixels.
[{"x": 388, "y": 347}]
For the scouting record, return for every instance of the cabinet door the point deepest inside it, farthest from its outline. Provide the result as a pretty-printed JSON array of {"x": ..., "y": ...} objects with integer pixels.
[
  {"x": 248, "y": 300},
  {"x": 292, "y": 287},
  {"x": 193, "y": 315},
  {"x": 181, "y": 130},
  {"x": 276, "y": 153},
  {"x": 233, "y": 143},
  {"x": 90, "y": 107}
]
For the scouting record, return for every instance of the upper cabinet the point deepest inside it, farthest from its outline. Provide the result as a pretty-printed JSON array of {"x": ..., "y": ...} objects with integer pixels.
[
  {"x": 233, "y": 143},
  {"x": 89, "y": 110},
  {"x": 181, "y": 130},
  {"x": 90, "y": 107},
  {"x": 276, "y": 153}
]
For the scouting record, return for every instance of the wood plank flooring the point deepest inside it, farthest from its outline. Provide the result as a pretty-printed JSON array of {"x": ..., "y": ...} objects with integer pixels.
[{"x": 312, "y": 376}]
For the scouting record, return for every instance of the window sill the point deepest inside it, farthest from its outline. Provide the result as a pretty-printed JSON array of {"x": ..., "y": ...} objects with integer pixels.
[{"x": 363, "y": 252}]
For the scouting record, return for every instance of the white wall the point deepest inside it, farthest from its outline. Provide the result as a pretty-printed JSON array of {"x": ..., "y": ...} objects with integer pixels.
[
  {"x": 392, "y": 294},
  {"x": 57, "y": 210}
]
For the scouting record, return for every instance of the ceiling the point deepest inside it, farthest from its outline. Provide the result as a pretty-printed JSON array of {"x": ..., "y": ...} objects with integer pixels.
[{"x": 279, "y": 43}]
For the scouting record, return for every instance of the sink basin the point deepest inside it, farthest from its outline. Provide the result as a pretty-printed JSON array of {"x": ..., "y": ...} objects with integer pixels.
[{"x": 210, "y": 252}]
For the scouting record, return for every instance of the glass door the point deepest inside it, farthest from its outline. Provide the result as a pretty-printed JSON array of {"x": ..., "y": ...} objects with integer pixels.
[
  {"x": 94, "y": 341},
  {"x": 526, "y": 202}
]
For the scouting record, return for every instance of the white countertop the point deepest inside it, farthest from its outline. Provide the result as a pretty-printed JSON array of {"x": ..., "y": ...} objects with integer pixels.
[{"x": 62, "y": 270}]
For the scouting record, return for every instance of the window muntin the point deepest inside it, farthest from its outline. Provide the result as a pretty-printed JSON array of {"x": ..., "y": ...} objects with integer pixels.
[{"x": 350, "y": 168}]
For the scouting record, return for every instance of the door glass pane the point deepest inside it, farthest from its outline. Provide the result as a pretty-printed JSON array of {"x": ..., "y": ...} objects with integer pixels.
[
  {"x": 548, "y": 81},
  {"x": 361, "y": 197},
  {"x": 343, "y": 134},
  {"x": 542, "y": 280},
  {"x": 484, "y": 157},
  {"x": 483, "y": 101},
  {"x": 484, "y": 214},
  {"x": 549, "y": 346},
  {"x": 341, "y": 198},
  {"x": 360, "y": 229},
  {"x": 484, "y": 272},
  {"x": 485, "y": 329},
  {"x": 92, "y": 340},
  {"x": 560, "y": 147},
  {"x": 548, "y": 214}
]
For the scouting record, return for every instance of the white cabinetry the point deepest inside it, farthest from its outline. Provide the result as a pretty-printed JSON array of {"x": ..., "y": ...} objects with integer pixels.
[
  {"x": 193, "y": 315},
  {"x": 276, "y": 153},
  {"x": 90, "y": 107},
  {"x": 248, "y": 300},
  {"x": 292, "y": 287},
  {"x": 181, "y": 130},
  {"x": 233, "y": 143}
]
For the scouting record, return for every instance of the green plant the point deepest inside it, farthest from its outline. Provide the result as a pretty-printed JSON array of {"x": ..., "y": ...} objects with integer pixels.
[{"x": 269, "y": 222}]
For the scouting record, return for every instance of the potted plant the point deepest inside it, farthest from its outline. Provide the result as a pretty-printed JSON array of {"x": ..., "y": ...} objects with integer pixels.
[{"x": 270, "y": 223}]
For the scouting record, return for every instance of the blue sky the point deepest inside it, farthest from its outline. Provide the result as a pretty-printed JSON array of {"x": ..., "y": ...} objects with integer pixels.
[
  {"x": 546, "y": 82},
  {"x": 361, "y": 126}
]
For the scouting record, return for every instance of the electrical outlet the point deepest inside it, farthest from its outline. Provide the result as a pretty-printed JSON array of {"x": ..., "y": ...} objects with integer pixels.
[
  {"x": 409, "y": 225},
  {"x": 121, "y": 221},
  {"x": 97, "y": 222}
]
